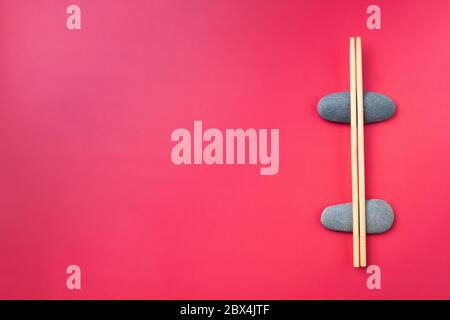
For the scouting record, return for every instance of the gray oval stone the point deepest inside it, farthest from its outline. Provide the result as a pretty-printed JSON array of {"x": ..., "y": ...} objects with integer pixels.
[
  {"x": 335, "y": 107},
  {"x": 379, "y": 217}
]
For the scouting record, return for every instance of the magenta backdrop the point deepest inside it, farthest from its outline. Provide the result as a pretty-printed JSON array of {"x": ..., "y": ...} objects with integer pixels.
[{"x": 86, "y": 176}]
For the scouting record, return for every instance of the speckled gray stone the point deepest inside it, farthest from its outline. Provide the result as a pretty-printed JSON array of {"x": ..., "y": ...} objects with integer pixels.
[
  {"x": 379, "y": 217},
  {"x": 335, "y": 107}
]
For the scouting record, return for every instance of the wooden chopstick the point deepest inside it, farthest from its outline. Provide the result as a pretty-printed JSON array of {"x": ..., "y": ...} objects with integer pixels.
[
  {"x": 361, "y": 175},
  {"x": 354, "y": 154}
]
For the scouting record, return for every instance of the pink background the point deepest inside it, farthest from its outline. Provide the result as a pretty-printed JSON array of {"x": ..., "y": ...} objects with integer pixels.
[{"x": 85, "y": 170}]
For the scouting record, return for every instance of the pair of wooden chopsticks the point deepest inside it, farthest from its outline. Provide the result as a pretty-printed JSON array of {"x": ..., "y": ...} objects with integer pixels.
[{"x": 357, "y": 154}]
